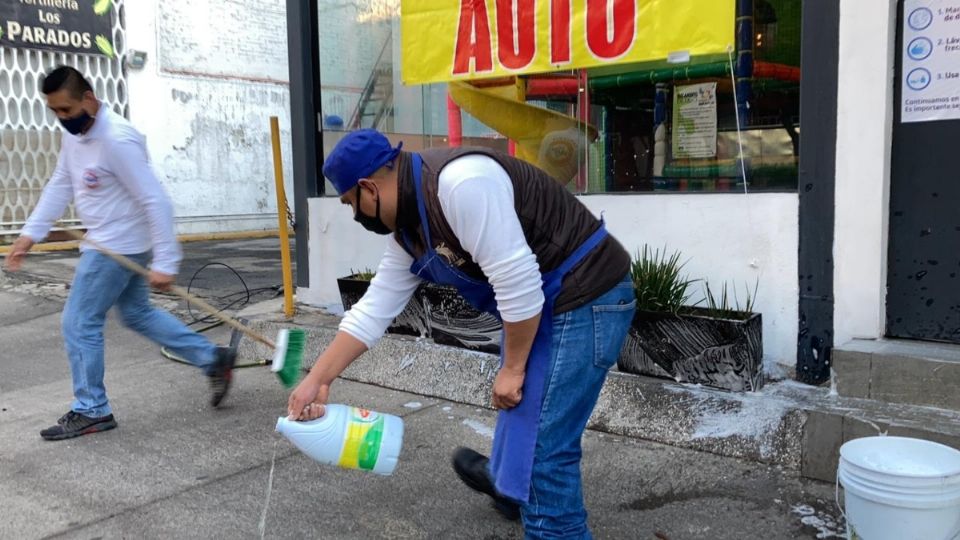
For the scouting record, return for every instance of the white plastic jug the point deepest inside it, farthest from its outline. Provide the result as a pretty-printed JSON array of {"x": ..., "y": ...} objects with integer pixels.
[{"x": 348, "y": 437}]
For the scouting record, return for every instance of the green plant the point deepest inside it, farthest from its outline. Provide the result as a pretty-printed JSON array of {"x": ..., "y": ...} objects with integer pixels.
[
  {"x": 722, "y": 308},
  {"x": 657, "y": 281},
  {"x": 363, "y": 275}
]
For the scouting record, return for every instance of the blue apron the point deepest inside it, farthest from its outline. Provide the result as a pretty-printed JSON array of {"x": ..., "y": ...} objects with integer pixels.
[{"x": 515, "y": 438}]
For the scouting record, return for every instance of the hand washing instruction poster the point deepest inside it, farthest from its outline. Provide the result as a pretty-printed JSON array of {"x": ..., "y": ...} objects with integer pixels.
[
  {"x": 931, "y": 60},
  {"x": 695, "y": 121}
]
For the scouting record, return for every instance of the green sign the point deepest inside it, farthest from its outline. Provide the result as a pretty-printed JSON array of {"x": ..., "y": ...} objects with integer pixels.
[{"x": 74, "y": 26}]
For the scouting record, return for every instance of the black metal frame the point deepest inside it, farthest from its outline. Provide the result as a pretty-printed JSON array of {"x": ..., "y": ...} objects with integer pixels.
[
  {"x": 817, "y": 181},
  {"x": 303, "y": 49}
]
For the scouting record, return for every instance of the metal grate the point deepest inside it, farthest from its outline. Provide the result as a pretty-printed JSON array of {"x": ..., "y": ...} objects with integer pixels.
[{"x": 29, "y": 132}]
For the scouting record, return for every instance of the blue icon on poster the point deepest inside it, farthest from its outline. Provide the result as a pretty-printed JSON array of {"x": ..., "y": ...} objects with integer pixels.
[
  {"x": 920, "y": 48},
  {"x": 918, "y": 79},
  {"x": 920, "y": 18}
]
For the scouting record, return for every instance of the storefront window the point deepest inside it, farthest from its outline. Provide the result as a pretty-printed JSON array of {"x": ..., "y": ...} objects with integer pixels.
[
  {"x": 673, "y": 127},
  {"x": 670, "y": 127}
]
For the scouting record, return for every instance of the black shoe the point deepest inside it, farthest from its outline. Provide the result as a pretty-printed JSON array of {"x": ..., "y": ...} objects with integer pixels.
[
  {"x": 74, "y": 424},
  {"x": 471, "y": 467},
  {"x": 222, "y": 374}
]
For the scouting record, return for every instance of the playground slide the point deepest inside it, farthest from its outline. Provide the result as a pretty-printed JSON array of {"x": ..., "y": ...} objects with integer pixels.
[{"x": 550, "y": 140}]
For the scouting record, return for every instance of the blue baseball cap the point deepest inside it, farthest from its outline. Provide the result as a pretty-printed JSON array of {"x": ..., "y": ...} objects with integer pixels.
[{"x": 356, "y": 156}]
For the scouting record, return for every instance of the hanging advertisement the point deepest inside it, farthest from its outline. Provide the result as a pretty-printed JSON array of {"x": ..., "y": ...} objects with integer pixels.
[
  {"x": 445, "y": 40},
  {"x": 71, "y": 26}
]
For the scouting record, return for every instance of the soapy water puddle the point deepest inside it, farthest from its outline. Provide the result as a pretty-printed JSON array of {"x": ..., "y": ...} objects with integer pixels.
[
  {"x": 823, "y": 523},
  {"x": 819, "y": 520}
]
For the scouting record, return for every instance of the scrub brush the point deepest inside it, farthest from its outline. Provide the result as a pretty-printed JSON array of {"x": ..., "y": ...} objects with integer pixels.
[{"x": 289, "y": 355}]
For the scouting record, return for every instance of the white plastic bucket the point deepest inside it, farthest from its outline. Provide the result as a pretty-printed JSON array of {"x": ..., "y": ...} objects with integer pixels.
[{"x": 897, "y": 488}]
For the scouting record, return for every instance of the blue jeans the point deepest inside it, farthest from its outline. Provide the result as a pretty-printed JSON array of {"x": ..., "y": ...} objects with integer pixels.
[
  {"x": 98, "y": 284},
  {"x": 586, "y": 344}
]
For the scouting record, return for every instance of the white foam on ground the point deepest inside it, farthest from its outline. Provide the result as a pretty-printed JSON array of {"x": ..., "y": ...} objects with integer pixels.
[
  {"x": 479, "y": 427},
  {"x": 833, "y": 383},
  {"x": 413, "y": 405},
  {"x": 826, "y": 525},
  {"x": 406, "y": 362},
  {"x": 753, "y": 416}
]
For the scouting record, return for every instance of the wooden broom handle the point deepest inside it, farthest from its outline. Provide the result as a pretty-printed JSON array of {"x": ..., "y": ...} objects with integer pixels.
[{"x": 177, "y": 290}]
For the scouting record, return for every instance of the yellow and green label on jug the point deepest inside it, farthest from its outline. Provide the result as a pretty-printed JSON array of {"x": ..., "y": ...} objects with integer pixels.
[{"x": 361, "y": 446}]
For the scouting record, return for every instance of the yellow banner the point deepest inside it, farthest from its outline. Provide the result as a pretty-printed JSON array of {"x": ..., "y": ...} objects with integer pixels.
[{"x": 445, "y": 40}]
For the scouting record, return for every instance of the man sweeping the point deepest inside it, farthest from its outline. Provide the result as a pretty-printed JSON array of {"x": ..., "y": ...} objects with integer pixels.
[
  {"x": 104, "y": 168},
  {"x": 515, "y": 243}
]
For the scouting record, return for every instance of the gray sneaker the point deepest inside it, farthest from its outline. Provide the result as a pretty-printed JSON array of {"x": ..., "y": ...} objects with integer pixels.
[{"x": 74, "y": 424}]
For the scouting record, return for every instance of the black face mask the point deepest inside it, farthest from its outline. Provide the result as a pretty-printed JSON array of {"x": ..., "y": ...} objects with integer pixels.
[
  {"x": 371, "y": 223},
  {"x": 77, "y": 124}
]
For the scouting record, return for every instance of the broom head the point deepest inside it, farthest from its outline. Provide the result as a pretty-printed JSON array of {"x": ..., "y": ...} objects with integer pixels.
[{"x": 288, "y": 356}]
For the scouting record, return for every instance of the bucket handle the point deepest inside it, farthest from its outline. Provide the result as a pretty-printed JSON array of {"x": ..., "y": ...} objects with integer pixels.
[{"x": 836, "y": 497}]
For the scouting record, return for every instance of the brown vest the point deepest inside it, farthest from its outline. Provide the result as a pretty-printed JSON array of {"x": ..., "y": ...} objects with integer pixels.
[{"x": 554, "y": 224}]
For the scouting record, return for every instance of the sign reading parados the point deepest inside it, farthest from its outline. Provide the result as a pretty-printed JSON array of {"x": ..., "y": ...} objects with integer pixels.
[{"x": 446, "y": 40}]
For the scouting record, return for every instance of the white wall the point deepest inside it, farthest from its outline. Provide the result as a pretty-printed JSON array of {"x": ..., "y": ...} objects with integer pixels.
[
  {"x": 740, "y": 239},
  {"x": 864, "y": 132},
  {"x": 216, "y": 71},
  {"x": 338, "y": 245}
]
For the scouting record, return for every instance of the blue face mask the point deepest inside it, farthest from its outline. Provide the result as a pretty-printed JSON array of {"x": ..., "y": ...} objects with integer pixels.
[{"x": 77, "y": 124}]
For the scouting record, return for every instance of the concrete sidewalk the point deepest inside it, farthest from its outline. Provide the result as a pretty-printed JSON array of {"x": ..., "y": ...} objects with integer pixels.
[{"x": 176, "y": 469}]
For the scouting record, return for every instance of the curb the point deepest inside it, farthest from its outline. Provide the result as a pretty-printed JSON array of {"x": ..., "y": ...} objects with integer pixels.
[{"x": 756, "y": 426}]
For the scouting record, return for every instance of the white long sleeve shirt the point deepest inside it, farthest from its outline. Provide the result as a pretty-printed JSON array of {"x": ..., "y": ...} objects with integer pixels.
[
  {"x": 476, "y": 197},
  {"x": 118, "y": 198}
]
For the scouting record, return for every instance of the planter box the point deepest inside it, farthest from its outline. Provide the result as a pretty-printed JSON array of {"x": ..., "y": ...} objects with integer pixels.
[
  {"x": 412, "y": 321},
  {"x": 695, "y": 348},
  {"x": 438, "y": 312},
  {"x": 453, "y": 321}
]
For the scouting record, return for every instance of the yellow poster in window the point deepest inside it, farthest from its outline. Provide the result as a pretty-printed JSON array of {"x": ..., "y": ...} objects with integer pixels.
[{"x": 444, "y": 40}]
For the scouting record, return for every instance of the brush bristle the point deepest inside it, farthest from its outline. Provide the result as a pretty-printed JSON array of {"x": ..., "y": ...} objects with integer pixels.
[{"x": 289, "y": 373}]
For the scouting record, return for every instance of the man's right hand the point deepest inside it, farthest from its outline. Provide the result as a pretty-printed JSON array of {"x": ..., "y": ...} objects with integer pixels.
[
  {"x": 309, "y": 397},
  {"x": 307, "y": 400},
  {"x": 17, "y": 253}
]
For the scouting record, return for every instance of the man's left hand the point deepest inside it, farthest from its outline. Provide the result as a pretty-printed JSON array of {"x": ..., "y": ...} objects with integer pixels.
[
  {"x": 507, "y": 388},
  {"x": 161, "y": 281}
]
